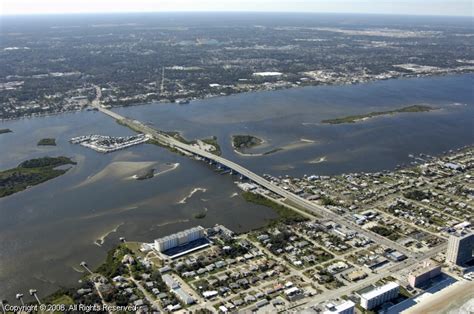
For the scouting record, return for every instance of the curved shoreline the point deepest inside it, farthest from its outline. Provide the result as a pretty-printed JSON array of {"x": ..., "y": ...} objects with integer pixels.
[
  {"x": 241, "y": 153},
  {"x": 290, "y": 146},
  {"x": 195, "y": 190},
  {"x": 100, "y": 241},
  {"x": 157, "y": 102},
  {"x": 171, "y": 168}
]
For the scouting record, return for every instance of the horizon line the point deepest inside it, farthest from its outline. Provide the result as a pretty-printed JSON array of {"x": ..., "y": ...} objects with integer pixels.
[{"x": 220, "y": 11}]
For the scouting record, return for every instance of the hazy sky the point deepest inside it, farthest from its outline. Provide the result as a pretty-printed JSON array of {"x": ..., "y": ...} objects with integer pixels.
[{"x": 429, "y": 7}]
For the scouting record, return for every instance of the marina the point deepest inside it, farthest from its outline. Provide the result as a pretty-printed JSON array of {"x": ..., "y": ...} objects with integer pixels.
[
  {"x": 150, "y": 208},
  {"x": 108, "y": 144}
]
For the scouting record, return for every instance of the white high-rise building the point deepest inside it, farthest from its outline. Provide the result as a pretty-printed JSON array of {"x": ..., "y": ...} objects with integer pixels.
[
  {"x": 379, "y": 295},
  {"x": 460, "y": 248},
  {"x": 347, "y": 307},
  {"x": 180, "y": 238}
]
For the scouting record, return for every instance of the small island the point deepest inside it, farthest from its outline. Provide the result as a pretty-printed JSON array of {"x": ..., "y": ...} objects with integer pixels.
[
  {"x": 212, "y": 141},
  {"x": 210, "y": 144},
  {"x": 47, "y": 142},
  {"x": 148, "y": 174},
  {"x": 32, "y": 172},
  {"x": 2, "y": 131},
  {"x": 363, "y": 117},
  {"x": 245, "y": 141},
  {"x": 200, "y": 215}
]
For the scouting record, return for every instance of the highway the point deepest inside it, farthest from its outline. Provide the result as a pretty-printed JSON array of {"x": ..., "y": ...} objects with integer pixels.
[
  {"x": 413, "y": 258},
  {"x": 373, "y": 278},
  {"x": 171, "y": 142}
]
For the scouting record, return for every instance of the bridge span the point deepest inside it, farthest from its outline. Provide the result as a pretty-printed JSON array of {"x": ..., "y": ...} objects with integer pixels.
[{"x": 167, "y": 140}]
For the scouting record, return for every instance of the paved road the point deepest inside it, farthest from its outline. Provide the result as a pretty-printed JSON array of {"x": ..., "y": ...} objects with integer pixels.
[
  {"x": 168, "y": 140},
  {"x": 387, "y": 271}
]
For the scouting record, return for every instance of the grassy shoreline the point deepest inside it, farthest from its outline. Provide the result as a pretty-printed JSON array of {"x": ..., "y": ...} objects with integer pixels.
[
  {"x": 285, "y": 214},
  {"x": 30, "y": 173},
  {"x": 362, "y": 117},
  {"x": 245, "y": 141},
  {"x": 47, "y": 142},
  {"x": 3, "y": 131}
]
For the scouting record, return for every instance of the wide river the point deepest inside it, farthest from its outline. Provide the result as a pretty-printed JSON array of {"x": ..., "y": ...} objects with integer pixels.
[{"x": 46, "y": 231}]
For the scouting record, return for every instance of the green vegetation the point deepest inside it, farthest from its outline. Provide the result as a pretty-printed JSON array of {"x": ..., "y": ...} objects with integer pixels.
[
  {"x": 148, "y": 174},
  {"x": 171, "y": 149},
  {"x": 5, "y": 131},
  {"x": 61, "y": 296},
  {"x": 31, "y": 172},
  {"x": 327, "y": 201},
  {"x": 47, "y": 142},
  {"x": 213, "y": 141},
  {"x": 383, "y": 231},
  {"x": 285, "y": 215},
  {"x": 210, "y": 141},
  {"x": 245, "y": 141},
  {"x": 200, "y": 215},
  {"x": 46, "y": 162},
  {"x": 417, "y": 195},
  {"x": 113, "y": 263},
  {"x": 300, "y": 208},
  {"x": 63, "y": 299},
  {"x": 356, "y": 118},
  {"x": 404, "y": 292},
  {"x": 177, "y": 136}
]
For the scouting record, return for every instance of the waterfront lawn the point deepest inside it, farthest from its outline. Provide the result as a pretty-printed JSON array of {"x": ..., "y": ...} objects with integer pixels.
[
  {"x": 113, "y": 264},
  {"x": 64, "y": 299}
]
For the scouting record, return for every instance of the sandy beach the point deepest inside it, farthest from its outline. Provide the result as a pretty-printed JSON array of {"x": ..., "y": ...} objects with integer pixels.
[
  {"x": 446, "y": 300},
  {"x": 293, "y": 145}
]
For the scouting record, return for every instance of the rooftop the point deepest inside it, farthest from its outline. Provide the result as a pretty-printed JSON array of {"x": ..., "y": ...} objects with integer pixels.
[
  {"x": 424, "y": 267},
  {"x": 380, "y": 290}
]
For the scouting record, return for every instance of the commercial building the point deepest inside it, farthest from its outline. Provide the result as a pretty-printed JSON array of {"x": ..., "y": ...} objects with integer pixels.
[
  {"x": 347, "y": 307},
  {"x": 460, "y": 248},
  {"x": 425, "y": 272},
  {"x": 356, "y": 275},
  {"x": 180, "y": 238},
  {"x": 396, "y": 256},
  {"x": 174, "y": 287},
  {"x": 379, "y": 295}
]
